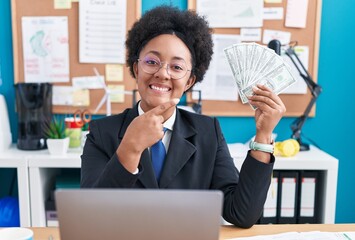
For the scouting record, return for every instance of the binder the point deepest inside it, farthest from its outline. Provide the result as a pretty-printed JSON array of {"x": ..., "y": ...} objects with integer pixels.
[
  {"x": 310, "y": 197},
  {"x": 270, "y": 212},
  {"x": 287, "y": 204}
]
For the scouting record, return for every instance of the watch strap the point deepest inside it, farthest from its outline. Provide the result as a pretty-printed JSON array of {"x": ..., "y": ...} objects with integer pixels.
[{"x": 269, "y": 148}]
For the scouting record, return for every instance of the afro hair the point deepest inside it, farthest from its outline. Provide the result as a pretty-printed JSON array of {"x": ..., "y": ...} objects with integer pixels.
[{"x": 191, "y": 28}]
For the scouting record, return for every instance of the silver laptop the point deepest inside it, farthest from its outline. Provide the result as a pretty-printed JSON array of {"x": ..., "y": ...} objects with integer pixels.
[{"x": 94, "y": 214}]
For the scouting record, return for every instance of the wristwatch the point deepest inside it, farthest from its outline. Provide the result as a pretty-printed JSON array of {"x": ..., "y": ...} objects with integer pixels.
[{"x": 262, "y": 147}]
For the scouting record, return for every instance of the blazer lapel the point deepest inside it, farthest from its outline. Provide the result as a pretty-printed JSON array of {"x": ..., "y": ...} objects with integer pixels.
[
  {"x": 180, "y": 150},
  {"x": 147, "y": 178}
]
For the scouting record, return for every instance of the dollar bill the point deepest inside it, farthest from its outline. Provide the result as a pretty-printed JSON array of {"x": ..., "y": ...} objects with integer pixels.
[
  {"x": 236, "y": 70},
  {"x": 277, "y": 80},
  {"x": 253, "y": 64},
  {"x": 249, "y": 57}
]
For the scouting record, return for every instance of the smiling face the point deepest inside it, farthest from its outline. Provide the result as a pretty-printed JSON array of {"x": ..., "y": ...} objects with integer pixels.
[{"x": 160, "y": 87}]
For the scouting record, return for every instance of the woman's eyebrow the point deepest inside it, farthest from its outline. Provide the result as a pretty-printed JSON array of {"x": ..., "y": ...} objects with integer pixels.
[
  {"x": 155, "y": 53},
  {"x": 158, "y": 54}
]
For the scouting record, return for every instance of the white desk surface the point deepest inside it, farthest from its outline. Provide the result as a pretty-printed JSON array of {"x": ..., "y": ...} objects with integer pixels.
[
  {"x": 31, "y": 163},
  {"x": 313, "y": 159}
]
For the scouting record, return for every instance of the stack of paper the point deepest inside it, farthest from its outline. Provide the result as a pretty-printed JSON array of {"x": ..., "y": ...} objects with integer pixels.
[
  {"x": 303, "y": 236},
  {"x": 253, "y": 64}
]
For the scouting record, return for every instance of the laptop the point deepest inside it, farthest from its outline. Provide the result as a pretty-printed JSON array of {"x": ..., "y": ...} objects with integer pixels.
[{"x": 94, "y": 214}]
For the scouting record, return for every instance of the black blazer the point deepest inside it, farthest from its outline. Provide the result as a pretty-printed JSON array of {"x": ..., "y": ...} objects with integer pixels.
[{"x": 198, "y": 158}]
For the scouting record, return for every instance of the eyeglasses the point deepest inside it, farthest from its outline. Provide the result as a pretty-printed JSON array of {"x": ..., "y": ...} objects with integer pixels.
[{"x": 176, "y": 69}]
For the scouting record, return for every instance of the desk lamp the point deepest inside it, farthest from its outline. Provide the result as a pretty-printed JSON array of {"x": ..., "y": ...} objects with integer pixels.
[{"x": 315, "y": 89}]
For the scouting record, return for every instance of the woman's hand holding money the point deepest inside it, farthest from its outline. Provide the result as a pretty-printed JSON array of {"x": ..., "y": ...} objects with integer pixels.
[{"x": 270, "y": 110}]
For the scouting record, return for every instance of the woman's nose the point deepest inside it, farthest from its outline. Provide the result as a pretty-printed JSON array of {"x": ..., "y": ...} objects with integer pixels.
[{"x": 164, "y": 71}]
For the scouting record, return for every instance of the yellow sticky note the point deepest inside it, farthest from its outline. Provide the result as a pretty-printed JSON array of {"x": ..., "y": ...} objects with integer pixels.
[
  {"x": 74, "y": 0},
  {"x": 273, "y": 1},
  {"x": 117, "y": 93},
  {"x": 81, "y": 97},
  {"x": 114, "y": 72},
  {"x": 62, "y": 4}
]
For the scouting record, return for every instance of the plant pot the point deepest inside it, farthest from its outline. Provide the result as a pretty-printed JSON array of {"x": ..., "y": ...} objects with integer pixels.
[{"x": 58, "y": 146}]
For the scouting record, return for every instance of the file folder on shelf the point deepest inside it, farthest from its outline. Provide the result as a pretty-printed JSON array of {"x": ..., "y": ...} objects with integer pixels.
[
  {"x": 270, "y": 207},
  {"x": 309, "y": 200},
  {"x": 287, "y": 204}
]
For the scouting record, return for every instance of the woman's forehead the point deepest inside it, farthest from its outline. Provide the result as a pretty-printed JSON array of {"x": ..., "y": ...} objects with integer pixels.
[{"x": 167, "y": 46}]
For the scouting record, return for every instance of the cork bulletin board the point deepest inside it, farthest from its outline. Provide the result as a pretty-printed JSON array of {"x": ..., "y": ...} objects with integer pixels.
[
  {"x": 309, "y": 36},
  {"x": 295, "y": 103},
  {"x": 21, "y": 8}
]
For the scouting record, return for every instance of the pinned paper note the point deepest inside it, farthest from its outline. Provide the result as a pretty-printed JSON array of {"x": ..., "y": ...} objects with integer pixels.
[
  {"x": 300, "y": 87},
  {"x": 231, "y": 13},
  {"x": 218, "y": 83},
  {"x": 45, "y": 49},
  {"x": 276, "y": 13},
  {"x": 250, "y": 34},
  {"x": 116, "y": 93},
  {"x": 62, "y": 4},
  {"x": 282, "y": 36},
  {"x": 273, "y": 1},
  {"x": 296, "y": 13},
  {"x": 81, "y": 97},
  {"x": 88, "y": 82},
  {"x": 62, "y": 95},
  {"x": 114, "y": 72},
  {"x": 102, "y": 31}
]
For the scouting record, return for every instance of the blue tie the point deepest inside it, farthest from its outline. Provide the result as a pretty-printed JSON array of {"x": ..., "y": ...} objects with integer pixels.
[{"x": 158, "y": 153}]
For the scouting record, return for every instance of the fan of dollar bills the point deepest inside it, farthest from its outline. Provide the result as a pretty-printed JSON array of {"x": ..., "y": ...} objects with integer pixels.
[{"x": 253, "y": 64}]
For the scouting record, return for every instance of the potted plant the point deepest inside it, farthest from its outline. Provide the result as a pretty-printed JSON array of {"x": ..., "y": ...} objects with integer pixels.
[{"x": 57, "y": 139}]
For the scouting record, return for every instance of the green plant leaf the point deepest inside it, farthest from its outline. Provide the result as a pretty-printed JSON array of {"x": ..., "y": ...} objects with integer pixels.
[{"x": 54, "y": 128}]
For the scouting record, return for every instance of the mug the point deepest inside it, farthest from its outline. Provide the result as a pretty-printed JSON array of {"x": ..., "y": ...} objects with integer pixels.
[
  {"x": 73, "y": 131},
  {"x": 16, "y": 233}
]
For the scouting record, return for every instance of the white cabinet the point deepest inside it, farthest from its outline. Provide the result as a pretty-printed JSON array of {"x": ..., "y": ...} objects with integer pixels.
[
  {"x": 35, "y": 173},
  {"x": 43, "y": 168},
  {"x": 14, "y": 158},
  {"x": 37, "y": 169},
  {"x": 314, "y": 159}
]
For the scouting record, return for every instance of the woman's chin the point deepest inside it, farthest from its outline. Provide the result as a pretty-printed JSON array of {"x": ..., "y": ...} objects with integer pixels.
[{"x": 157, "y": 101}]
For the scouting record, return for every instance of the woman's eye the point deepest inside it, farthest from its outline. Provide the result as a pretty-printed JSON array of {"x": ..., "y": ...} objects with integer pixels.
[
  {"x": 151, "y": 62},
  {"x": 177, "y": 68}
]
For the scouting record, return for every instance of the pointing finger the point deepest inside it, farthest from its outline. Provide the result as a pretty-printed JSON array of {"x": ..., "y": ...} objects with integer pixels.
[{"x": 161, "y": 109}]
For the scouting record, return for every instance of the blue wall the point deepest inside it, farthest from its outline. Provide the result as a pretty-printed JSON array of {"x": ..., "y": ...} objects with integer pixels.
[
  {"x": 332, "y": 128},
  {"x": 6, "y": 87}
]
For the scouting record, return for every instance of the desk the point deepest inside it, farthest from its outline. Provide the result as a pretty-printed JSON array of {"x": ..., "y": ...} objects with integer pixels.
[{"x": 232, "y": 232}]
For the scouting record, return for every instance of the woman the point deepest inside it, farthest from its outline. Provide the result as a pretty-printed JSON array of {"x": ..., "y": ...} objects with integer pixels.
[{"x": 168, "y": 52}]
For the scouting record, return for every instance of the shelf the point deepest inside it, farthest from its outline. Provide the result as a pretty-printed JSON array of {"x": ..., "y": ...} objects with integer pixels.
[
  {"x": 14, "y": 158},
  {"x": 37, "y": 170},
  {"x": 314, "y": 159}
]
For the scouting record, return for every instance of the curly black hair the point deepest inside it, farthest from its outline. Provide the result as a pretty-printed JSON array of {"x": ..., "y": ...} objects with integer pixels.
[{"x": 191, "y": 28}]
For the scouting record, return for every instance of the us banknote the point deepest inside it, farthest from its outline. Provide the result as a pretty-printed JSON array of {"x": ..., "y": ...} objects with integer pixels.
[{"x": 253, "y": 64}]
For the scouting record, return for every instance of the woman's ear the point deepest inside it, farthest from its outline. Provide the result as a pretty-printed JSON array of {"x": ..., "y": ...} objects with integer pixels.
[
  {"x": 190, "y": 82},
  {"x": 135, "y": 69}
]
